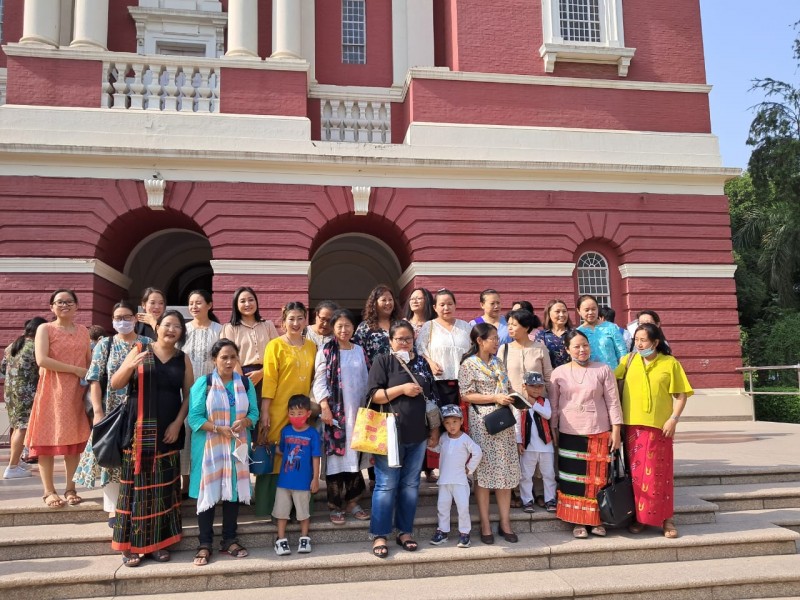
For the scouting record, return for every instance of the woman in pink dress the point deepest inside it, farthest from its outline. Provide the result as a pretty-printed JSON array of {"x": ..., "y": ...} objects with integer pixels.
[{"x": 59, "y": 425}]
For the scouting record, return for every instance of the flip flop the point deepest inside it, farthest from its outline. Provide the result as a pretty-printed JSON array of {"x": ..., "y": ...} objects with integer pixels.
[
  {"x": 202, "y": 556},
  {"x": 669, "y": 529},
  {"x": 359, "y": 513},
  {"x": 337, "y": 517},
  {"x": 580, "y": 532}
]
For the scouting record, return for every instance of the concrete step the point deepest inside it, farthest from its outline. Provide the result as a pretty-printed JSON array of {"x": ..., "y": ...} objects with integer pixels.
[
  {"x": 615, "y": 567},
  {"x": 736, "y": 475},
  {"x": 737, "y": 497}
]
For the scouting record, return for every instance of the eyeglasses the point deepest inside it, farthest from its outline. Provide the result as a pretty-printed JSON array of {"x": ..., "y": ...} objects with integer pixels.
[
  {"x": 493, "y": 339},
  {"x": 405, "y": 340},
  {"x": 63, "y": 303},
  {"x": 171, "y": 327},
  {"x": 126, "y": 318}
]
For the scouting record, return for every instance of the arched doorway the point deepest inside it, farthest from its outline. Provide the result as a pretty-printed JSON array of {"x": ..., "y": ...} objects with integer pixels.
[
  {"x": 174, "y": 260},
  {"x": 346, "y": 268}
]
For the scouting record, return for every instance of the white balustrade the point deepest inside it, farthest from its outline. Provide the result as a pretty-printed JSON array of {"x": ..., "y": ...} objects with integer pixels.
[
  {"x": 166, "y": 85},
  {"x": 356, "y": 121}
]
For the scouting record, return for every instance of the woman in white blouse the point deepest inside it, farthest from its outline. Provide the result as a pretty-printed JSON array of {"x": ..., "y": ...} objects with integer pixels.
[{"x": 443, "y": 341}]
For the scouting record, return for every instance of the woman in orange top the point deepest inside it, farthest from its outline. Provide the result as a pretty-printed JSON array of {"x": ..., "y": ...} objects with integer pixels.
[{"x": 58, "y": 424}]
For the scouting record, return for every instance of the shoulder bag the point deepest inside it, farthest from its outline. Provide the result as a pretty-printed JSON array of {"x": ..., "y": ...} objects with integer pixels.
[
  {"x": 107, "y": 436},
  {"x": 615, "y": 501},
  {"x": 433, "y": 416}
]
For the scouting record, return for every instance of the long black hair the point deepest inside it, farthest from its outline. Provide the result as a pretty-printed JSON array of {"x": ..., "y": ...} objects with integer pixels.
[
  {"x": 236, "y": 316},
  {"x": 428, "y": 312},
  {"x": 480, "y": 331},
  {"x": 654, "y": 333},
  {"x": 205, "y": 295},
  {"x": 31, "y": 325}
]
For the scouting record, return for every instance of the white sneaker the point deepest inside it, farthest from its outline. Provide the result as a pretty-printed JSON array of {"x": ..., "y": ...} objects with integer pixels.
[
  {"x": 16, "y": 472},
  {"x": 282, "y": 547},
  {"x": 23, "y": 465},
  {"x": 304, "y": 546}
]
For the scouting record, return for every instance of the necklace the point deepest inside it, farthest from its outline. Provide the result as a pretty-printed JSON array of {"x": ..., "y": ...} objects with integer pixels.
[
  {"x": 300, "y": 361},
  {"x": 572, "y": 373}
]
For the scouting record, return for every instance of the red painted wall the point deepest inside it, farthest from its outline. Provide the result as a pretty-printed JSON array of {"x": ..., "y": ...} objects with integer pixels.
[
  {"x": 121, "y": 27},
  {"x": 54, "y": 82},
  {"x": 273, "y": 292},
  {"x": 377, "y": 71},
  {"x": 554, "y": 106},
  {"x": 260, "y": 92}
]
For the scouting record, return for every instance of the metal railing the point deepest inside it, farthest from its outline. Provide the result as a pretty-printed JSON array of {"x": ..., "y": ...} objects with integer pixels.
[{"x": 750, "y": 370}]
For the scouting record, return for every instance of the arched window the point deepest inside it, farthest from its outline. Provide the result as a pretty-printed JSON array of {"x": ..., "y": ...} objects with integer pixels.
[{"x": 593, "y": 277}]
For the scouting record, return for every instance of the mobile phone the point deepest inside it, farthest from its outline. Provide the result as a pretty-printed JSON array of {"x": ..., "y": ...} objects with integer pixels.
[{"x": 140, "y": 310}]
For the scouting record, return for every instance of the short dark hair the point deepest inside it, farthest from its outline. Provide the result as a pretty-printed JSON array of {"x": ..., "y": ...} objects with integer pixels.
[
  {"x": 300, "y": 401},
  {"x": 177, "y": 315},
  {"x": 608, "y": 313},
  {"x": 343, "y": 313},
  {"x": 96, "y": 332},
  {"x": 223, "y": 343},
  {"x": 524, "y": 318},
  {"x": 401, "y": 324},
  {"x": 65, "y": 291}
]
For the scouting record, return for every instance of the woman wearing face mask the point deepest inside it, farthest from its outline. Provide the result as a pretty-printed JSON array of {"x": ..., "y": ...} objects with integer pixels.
[
  {"x": 108, "y": 355},
  {"x": 653, "y": 398},
  {"x": 394, "y": 500},
  {"x": 222, "y": 411},
  {"x": 490, "y": 303},
  {"x": 380, "y": 311},
  {"x": 556, "y": 325},
  {"x": 605, "y": 338},
  {"x": 251, "y": 333},
  {"x": 154, "y": 303},
  {"x": 588, "y": 419},
  {"x": 288, "y": 370},
  {"x": 340, "y": 382}
]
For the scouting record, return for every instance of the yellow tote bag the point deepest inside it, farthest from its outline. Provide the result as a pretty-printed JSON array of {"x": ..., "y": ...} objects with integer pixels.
[{"x": 370, "y": 432}]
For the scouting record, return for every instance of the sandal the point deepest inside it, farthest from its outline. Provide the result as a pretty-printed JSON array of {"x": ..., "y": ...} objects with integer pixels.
[
  {"x": 636, "y": 527},
  {"x": 236, "y": 550},
  {"x": 579, "y": 531},
  {"x": 161, "y": 556},
  {"x": 669, "y": 529},
  {"x": 202, "y": 556},
  {"x": 72, "y": 498},
  {"x": 516, "y": 501},
  {"x": 337, "y": 517},
  {"x": 599, "y": 531},
  {"x": 408, "y": 545},
  {"x": 131, "y": 560},
  {"x": 53, "y": 500},
  {"x": 380, "y": 550},
  {"x": 359, "y": 513}
]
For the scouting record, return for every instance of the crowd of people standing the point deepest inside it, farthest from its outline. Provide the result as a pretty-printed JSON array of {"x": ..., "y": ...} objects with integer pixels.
[{"x": 202, "y": 396}]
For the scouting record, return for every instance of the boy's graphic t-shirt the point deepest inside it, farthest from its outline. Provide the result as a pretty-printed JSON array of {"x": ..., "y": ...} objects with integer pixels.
[{"x": 298, "y": 449}]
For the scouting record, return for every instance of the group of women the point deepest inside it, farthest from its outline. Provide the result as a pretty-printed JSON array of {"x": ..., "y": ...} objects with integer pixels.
[{"x": 198, "y": 391}]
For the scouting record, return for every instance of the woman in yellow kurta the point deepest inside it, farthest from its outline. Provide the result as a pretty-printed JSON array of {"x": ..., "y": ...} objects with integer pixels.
[
  {"x": 653, "y": 398},
  {"x": 288, "y": 370}
]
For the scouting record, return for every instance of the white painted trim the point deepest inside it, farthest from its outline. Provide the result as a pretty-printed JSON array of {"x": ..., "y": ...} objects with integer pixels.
[
  {"x": 677, "y": 270},
  {"x": 25, "y": 264},
  {"x": 480, "y": 269},
  {"x": 260, "y": 267},
  {"x": 361, "y": 195},
  {"x": 355, "y": 92}
]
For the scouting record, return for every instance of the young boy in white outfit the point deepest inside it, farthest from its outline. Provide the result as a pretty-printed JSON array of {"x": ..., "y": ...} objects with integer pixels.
[
  {"x": 458, "y": 456},
  {"x": 535, "y": 444}
]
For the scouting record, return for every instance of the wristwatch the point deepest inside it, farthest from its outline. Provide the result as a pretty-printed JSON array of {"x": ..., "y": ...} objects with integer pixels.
[{"x": 674, "y": 418}]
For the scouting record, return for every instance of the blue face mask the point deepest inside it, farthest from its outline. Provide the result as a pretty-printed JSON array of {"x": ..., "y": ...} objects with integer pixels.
[{"x": 646, "y": 352}]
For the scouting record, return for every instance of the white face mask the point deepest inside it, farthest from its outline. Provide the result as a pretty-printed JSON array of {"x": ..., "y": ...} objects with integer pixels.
[
  {"x": 241, "y": 454},
  {"x": 123, "y": 327},
  {"x": 403, "y": 355}
]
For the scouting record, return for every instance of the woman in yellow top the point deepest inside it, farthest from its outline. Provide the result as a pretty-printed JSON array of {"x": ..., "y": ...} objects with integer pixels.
[
  {"x": 653, "y": 398},
  {"x": 288, "y": 370}
]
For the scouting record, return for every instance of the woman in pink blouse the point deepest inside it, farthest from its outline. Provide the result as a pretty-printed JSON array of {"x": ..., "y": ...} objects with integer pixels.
[{"x": 588, "y": 418}]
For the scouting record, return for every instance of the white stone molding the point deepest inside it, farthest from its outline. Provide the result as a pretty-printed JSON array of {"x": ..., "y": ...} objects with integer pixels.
[
  {"x": 361, "y": 195},
  {"x": 355, "y": 121},
  {"x": 31, "y": 265},
  {"x": 480, "y": 269},
  {"x": 155, "y": 188},
  {"x": 242, "y": 29},
  {"x": 260, "y": 267},
  {"x": 3, "y": 85},
  {"x": 41, "y": 23},
  {"x": 609, "y": 50},
  {"x": 309, "y": 41},
  {"x": 159, "y": 29},
  {"x": 287, "y": 29},
  {"x": 677, "y": 270},
  {"x": 412, "y": 37},
  {"x": 91, "y": 24}
]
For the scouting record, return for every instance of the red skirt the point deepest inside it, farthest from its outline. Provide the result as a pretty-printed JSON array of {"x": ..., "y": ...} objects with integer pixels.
[{"x": 651, "y": 464}]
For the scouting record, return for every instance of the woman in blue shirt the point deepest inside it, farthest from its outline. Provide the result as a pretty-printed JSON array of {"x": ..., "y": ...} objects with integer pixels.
[{"x": 605, "y": 339}]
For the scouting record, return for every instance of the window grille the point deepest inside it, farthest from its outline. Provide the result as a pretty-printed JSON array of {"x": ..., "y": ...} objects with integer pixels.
[
  {"x": 593, "y": 277},
  {"x": 1, "y": 21},
  {"x": 580, "y": 20},
  {"x": 354, "y": 32}
]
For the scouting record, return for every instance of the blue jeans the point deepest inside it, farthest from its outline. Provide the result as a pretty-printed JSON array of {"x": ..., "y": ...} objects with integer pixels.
[{"x": 396, "y": 491}]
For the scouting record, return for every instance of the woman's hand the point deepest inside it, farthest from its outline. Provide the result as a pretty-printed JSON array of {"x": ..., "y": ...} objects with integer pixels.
[
  {"x": 98, "y": 416},
  {"x": 238, "y": 427},
  {"x": 263, "y": 431},
  {"x": 146, "y": 318},
  {"x": 225, "y": 432},
  {"x": 436, "y": 368},
  {"x": 503, "y": 399},
  {"x": 135, "y": 358},
  {"x": 256, "y": 376},
  {"x": 669, "y": 428},
  {"x": 81, "y": 372},
  {"x": 325, "y": 412},
  {"x": 615, "y": 441},
  {"x": 520, "y": 449},
  {"x": 411, "y": 389},
  {"x": 172, "y": 432},
  {"x": 433, "y": 438}
]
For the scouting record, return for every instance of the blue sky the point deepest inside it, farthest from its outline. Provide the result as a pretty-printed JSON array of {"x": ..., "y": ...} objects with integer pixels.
[{"x": 744, "y": 40}]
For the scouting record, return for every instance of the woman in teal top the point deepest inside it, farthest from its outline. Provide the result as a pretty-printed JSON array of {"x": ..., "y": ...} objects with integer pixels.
[
  {"x": 222, "y": 412},
  {"x": 605, "y": 339}
]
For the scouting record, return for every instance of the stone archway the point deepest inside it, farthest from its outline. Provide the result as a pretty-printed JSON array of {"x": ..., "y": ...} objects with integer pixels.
[{"x": 346, "y": 268}]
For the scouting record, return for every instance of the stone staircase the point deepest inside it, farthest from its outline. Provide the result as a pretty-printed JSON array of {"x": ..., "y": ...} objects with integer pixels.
[{"x": 740, "y": 535}]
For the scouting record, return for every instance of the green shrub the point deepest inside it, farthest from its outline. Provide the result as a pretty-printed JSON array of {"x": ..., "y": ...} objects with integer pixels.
[{"x": 779, "y": 409}]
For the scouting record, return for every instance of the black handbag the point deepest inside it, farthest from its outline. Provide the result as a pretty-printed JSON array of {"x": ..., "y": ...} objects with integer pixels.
[
  {"x": 499, "y": 420},
  {"x": 615, "y": 501},
  {"x": 108, "y": 436}
]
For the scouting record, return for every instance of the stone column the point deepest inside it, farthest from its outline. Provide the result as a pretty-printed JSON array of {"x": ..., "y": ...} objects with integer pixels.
[
  {"x": 91, "y": 24},
  {"x": 41, "y": 22},
  {"x": 287, "y": 31},
  {"x": 412, "y": 37},
  {"x": 243, "y": 28}
]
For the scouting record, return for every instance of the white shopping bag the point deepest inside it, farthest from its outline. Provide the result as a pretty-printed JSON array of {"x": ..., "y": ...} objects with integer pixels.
[{"x": 393, "y": 455}]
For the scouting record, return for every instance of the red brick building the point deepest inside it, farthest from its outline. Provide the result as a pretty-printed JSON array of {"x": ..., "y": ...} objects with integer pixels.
[{"x": 313, "y": 148}]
